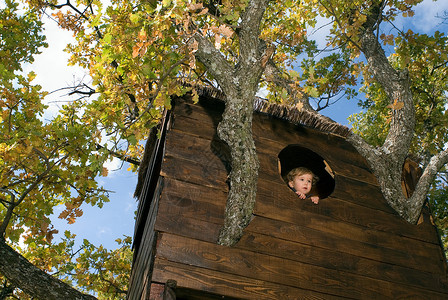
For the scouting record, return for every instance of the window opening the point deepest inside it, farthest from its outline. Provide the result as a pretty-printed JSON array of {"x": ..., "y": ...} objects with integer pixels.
[{"x": 294, "y": 156}]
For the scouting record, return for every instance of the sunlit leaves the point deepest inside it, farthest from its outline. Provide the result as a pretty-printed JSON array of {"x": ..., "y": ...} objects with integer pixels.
[
  {"x": 44, "y": 162},
  {"x": 20, "y": 39},
  {"x": 426, "y": 59}
]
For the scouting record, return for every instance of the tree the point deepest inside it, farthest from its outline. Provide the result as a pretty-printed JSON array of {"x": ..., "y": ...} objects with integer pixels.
[
  {"x": 426, "y": 59},
  {"x": 154, "y": 41},
  {"x": 138, "y": 53},
  {"x": 43, "y": 164}
]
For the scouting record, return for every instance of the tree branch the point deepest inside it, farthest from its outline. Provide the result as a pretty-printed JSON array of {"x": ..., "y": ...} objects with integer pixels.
[
  {"x": 33, "y": 281},
  {"x": 123, "y": 157}
]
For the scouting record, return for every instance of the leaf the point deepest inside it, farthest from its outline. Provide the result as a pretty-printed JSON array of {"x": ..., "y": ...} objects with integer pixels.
[
  {"x": 218, "y": 39},
  {"x": 142, "y": 35},
  {"x": 195, "y": 96},
  {"x": 225, "y": 30},
  {"x": 195, "y": 6},
  {"x": 396, "y": 105},
  {"x": 107, "y": 38},
  {"x": 193, "y": 46},
  {"x": 134, "y": 18},
  {"x": 135, "y": 51}
]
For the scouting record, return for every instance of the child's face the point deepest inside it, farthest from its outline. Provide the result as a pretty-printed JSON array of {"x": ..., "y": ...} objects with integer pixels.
[{"x": 302, "y": 183}]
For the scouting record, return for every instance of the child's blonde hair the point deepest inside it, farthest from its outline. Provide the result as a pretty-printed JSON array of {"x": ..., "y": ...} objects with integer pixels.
[{"x": 301, "y": 171}]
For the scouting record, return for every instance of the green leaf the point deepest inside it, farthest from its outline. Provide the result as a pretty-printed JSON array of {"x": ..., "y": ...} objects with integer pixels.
[{"x": 107, "y": 38}]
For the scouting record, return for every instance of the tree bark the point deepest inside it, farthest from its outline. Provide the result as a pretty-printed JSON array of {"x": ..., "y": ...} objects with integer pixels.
[
  {"x": 33, "y": 281},
  {"x": 239, "y": 83},
  {"x": 387, "y": 161}
]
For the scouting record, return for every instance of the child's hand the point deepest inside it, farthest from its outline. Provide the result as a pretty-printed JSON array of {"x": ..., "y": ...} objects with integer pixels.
[
  {"x": 315, "y": 199},
  {"x": 301, "y": 195}
]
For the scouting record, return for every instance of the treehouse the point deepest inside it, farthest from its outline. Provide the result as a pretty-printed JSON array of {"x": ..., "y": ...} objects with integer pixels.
[{"x": 351, "y": 245}]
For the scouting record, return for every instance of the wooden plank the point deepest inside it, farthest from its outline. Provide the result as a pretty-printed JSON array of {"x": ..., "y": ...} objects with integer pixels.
[
  {"x": 276, "y": 198},
  {"x": 190, "y": 294},
  {"x": 210, "y": 153},
  {"x": 203, "y": 210},
  {"x": 317, "y": 238},
  {"x": 143, "y": 258},
  {"x": 192, "y": 191},
  {"x": 205, "y": 111},
  {"x": 193, "y": 127},
  {"x": 188, "y": 171},
  {"x": 375, "y": 243},
  {"x": 280, "y": 271},
  {"x": 281, "y": 197},
  {"x": 187, "y": 226},
  {"x": 348, "y": 230},
  {"x": 229, "y": 285},
  {"x": 334, "y": 259},
  {"x": 196, "y": 137}
]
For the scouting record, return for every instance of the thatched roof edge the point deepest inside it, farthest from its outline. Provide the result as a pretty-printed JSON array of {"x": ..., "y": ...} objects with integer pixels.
[{"x": 288, "y": 113}]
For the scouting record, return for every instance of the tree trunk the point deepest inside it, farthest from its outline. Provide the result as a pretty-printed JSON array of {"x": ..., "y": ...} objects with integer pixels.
[
  {"x": 33, "y": 281},
  {"x": 239, "y": 82},
  {"x": 236, "y": 130}
]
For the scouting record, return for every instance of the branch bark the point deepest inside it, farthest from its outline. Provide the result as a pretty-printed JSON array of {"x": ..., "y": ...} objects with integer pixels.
[
  {"x": 239, "y": 83},
  {"x": 387, "y": 161},
  {"x": 33, "y": 281}
]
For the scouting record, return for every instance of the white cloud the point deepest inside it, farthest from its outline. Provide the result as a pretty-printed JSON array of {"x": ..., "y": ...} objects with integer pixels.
[
  {"x": 320, "y": 32},
  {"x": 425, "y": 15},
  {"x": 51, "y": 67}
]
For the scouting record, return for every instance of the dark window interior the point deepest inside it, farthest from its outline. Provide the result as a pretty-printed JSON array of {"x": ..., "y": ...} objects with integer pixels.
[{"x": 294, "y": 156}]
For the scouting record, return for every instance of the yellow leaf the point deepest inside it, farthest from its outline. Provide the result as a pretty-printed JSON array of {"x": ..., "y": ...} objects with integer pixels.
[
  {"x": 192, "y": 62},
  {"x": 225, "y": 30},
  {"x": 193, "y": 46},
  {"x": 142, "y": 35},
  {"x": 396, "y": 105},
  {"x": 194, "y": 6},
  {"x": 104, "y": 172},
  {"x": 299, "y": 106},
  {"x": 218, "y": 39},
  {"x": 203, "y": 12}
]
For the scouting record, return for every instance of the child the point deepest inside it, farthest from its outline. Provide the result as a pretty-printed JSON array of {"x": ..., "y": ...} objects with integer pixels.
[{"x": 300, "y": 180}]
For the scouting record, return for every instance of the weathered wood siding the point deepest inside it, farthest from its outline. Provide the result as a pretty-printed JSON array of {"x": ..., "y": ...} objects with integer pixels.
[{"x": 351, "y": 245}]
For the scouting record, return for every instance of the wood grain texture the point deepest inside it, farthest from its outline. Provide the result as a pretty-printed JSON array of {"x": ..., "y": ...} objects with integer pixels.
[
  {"x": 230, "y": 285},
  {"x": 280, "y": 271},
  {"x": 351, "y": 245}
]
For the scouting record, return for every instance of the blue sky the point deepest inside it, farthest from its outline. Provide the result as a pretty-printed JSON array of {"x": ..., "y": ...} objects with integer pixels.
[{"x": 116, "y": 218}]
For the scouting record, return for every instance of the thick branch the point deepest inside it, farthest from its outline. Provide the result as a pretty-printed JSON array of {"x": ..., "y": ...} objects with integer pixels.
[
  {"x": 239, "y": 83},
  {"x": 397, "y": 87},
  {"x": 249, "y": 34},
  {"x": 214, "y": 62},
  {"x": 33, "y": 281},
  {"x": 418, "y": 198}
]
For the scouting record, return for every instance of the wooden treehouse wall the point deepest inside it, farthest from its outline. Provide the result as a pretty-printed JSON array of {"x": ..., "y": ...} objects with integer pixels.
[{"x": 351, "y": 245}]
